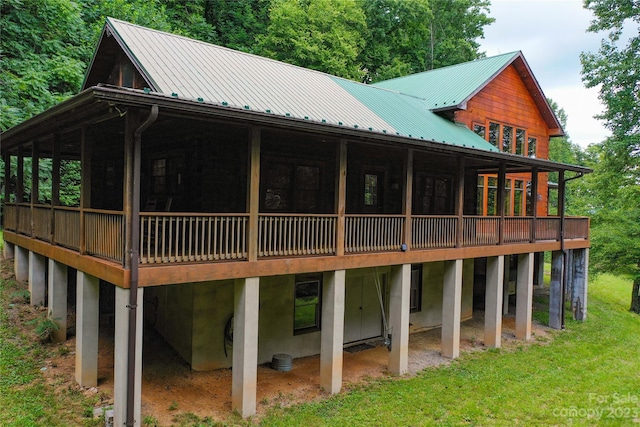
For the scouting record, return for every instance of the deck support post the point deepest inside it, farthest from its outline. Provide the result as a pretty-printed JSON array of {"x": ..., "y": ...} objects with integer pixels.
[
  {"x": 506, "y": 285},
  {"x": 555, "y": 290},
  {"x": 399, "y": 318},
  {"x": 524, "y": 296},
  {"x": 245, "y": 346},
  {"x": 121, "y": 352},
  {"x": 538, "y": 269},
  {"x": 57, "y": 310},
  {"x": 451, "y": 308},
  {"x": 8, "y": 250},
  {"x": 37, "y": 279},
  {"x": 332, "y": 333},
  {"x": 21, "y": 264},
  {"x": 580, "y": 284},
  {"x": 493, "y": 302},
  {"x": 87, "y": 329}
]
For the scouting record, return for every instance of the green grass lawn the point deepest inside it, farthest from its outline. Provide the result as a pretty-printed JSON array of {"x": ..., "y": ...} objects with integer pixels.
[{"x": 588, "y": 375}]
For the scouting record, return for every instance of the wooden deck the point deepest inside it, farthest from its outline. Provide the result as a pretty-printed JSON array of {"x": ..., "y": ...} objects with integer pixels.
[{"x": 307, "y": 241}]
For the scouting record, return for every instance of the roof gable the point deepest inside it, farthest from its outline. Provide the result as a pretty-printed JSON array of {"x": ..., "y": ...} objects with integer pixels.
[
  {"x": 450, "y": 88},
  {"x": 191, "y": 69}
]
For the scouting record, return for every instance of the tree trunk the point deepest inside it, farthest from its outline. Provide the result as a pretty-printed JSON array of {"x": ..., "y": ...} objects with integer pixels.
[{"x": 635, "y": 295}]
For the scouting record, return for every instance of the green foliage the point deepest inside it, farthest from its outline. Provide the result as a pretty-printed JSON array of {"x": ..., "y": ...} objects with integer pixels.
[
  {"x": 21, "y": 296},
  {"x": 323, "y": 35},
  {"x": 410, "y": 36},
  {"x": 44, "y": 327}
]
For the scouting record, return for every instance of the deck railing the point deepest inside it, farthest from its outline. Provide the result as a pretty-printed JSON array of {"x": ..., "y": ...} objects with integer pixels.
[
  {"x": 517, "y": 229},
  {"x": 294, "y": 235},
  {"x": 170, "y": 238},
  {"x": 42, "y": 222},
  {"x": 24, "y": 218},
  {"x": 480, "y": 230},
  {"x": 431, "y": 232},
  {"x": 185, "y": 237},
  {"x": 104, "y": 231},
  {"x": 547, "y": 228},
  {"x": 373, "y": 233},
  {"x": 67, "y": 227}
]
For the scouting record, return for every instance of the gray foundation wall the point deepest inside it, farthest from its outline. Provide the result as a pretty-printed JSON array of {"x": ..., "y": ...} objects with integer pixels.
[
  {"x": 192, "y": 317},
  {"x": 430, "y": 315}
]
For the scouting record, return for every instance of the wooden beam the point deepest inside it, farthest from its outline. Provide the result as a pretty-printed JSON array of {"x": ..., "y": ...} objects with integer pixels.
[
  {"x": 35, "y": 180},
  {"x": 407, "y": 194},
  {"x": 253, "y": 193},
  {"x": 131, "y": 123},
  {"x": 85, "y": 184},
  {"x": 460, "y": 202},
  {"x": 341, "y": 196},
  {"x": 501, "y": 201},
  {"x": 534, "y": 203},
  {"x": 7, "y": 177}
]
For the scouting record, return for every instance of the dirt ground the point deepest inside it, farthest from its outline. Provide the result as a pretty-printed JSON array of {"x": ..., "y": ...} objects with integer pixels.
[{"x": 170, "y": 387}]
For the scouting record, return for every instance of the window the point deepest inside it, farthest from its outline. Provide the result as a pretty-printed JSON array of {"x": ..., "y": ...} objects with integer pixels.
[
  {"x": 531, "y": 149},
  {"x": 370, "y": 189},
  {"x": 492, "y": 194},
  {"x": 481, "y": 130},
  {"x": 520, "y": 141},
  {"x": 507, "y": 197},
  {"x": 518, "y": 197},
  {"x": 480, "y": 196},
  {"x": 494, "y": 134},
  {"x": 415, "y": 293},
  {"x": 507, "y": 139},
  {"x": 306, "y": 313}
]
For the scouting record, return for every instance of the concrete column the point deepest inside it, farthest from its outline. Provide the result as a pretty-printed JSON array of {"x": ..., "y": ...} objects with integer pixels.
[
  {"x": 538, "y": 275},
  {"x": 58, "y": 299},
  {"x": 121, "y": 351},
  {"x": 21, "y": 264},
  {"x": 8, "y": 250},
  {"x": 245, "y": 346},
  {"x": 506, "y": 286},
  {"x": 399, "y": 318},
  {"x": 580, "y": 283},
  {"x": 493, "y": 302},
  {"x": 524, "y": 296},
  {"x": 451, "y": 308},
  {"x": 37, "y": 279},
  {"x": 331, "y": 335},
  {"x": 87, "y": 318},
  {"x": 555, "y": 290}
]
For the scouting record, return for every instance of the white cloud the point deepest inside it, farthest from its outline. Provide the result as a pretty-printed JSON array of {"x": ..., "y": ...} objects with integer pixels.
[{"x": 551, "y": 35}]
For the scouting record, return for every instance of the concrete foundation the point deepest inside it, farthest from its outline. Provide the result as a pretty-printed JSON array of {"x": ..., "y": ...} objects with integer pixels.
[
  {"x": 400, "y": 284},
  {"x": 580, "y": 283},
  {"x": 333, "y": 292},
  {"x": 57, "y": 301},
  {"x": 121, "y": 351},
  {"x": 451, "y": 308},
  {"x": 493, "y": 302},
  {"x": 245, "y": 346},
  {"x": 555, "y": 290},
  {"x": 524, "y": 296},
  {"x": 8, "y": 250},
  {"x": 21, "y": 264},
  {"x": 87, "y": 321},
  {"x": 37, "y": 278}
]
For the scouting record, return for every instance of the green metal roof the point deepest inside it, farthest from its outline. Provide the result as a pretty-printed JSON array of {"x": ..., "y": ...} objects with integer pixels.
[
  {"x": 190, "y": 69},
  {"x": 450, "y": 87}
]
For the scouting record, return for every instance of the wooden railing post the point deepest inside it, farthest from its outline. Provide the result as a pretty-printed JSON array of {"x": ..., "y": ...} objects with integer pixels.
[
  {"x": 55, "y": 184},
  {"x": 341, "y": 198},
  {"x": 253, "y": 194},
  {"x": 85, "y": 185},
  {"x": 35, "y": 181},
  {"x": 561, "y": 189},
  {"x": 408, "y": 199},
  {"x": 534, "y": 203},
  {"x": 460, "y": 202},
  {"x": 501, "y": 201},
  {"x": 20, "y": 176}
]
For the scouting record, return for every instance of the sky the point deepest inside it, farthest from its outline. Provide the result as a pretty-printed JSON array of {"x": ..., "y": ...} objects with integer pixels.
[{"x": 551, "y": 35}]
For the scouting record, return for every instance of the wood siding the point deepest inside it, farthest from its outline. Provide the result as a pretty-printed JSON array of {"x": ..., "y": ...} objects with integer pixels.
[{"x": 506, "y": 100}]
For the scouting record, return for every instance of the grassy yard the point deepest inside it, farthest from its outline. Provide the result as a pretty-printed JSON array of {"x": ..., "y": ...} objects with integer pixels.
[{"x": 588, "y": 375}]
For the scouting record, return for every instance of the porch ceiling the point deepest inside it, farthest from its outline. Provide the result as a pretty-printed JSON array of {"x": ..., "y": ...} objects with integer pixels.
[{"x": 101, "y": 103}]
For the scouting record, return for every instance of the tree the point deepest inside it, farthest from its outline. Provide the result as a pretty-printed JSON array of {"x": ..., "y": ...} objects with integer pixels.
[
  {"x": 324, "y": 35},
  {"x": 615, "y": 69},
  {"x": 238, "y": 23},
  {"x": 411, "y": 36}
]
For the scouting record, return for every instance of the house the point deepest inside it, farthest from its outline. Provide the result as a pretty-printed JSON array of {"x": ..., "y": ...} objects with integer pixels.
[{"x": 244, "y": 208}]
